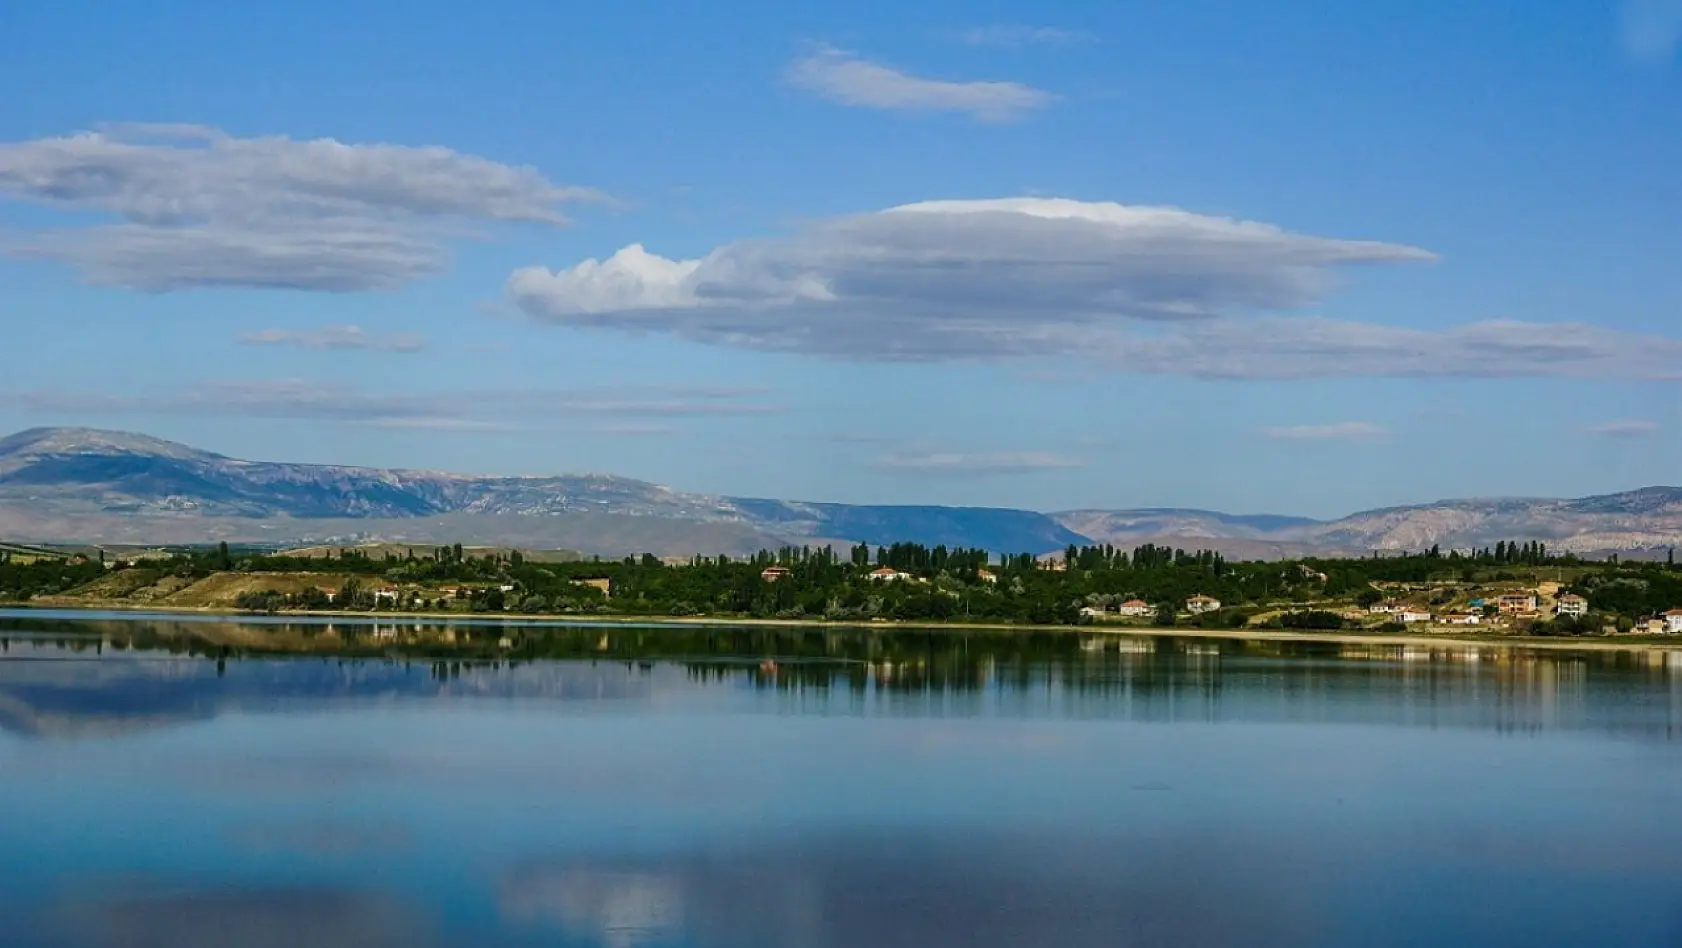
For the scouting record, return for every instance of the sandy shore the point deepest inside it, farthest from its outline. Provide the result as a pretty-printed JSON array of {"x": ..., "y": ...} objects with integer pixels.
[{"x": 1427, "y": 640}]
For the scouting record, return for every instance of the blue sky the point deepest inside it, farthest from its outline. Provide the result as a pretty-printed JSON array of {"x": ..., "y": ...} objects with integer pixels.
[{"x": 1293, "y": 257}]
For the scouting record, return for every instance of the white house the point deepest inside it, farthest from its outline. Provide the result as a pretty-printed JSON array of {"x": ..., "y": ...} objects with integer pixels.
[
  {"x": 1382, "y": 608},
  {"x": 1134, "y": 608},
  {"x": 1197, "y": 605},
  {"x": 1573, "y": 605},
  {"x": 773, "y": 573},
  {"x": 385, "y": 594},
  {"x": 1411, "y": 614},
  {"x": 1091, "y": 612},
  {"x": 887, "y": 575},
  {"x": 1673, "y": 622},
  {"x": 1461, "y": 618},
  {"x": 986, "y": 575}
]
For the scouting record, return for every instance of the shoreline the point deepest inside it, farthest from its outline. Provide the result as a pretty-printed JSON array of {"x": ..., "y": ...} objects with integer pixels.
[{"x": 1447, "y": 639}]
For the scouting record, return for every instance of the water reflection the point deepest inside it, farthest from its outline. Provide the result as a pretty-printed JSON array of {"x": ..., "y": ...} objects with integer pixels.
[
  {"x": 154, "y": 672},
  {"x": 281, "y": 918},
  {"x": 171, "y": 783}
]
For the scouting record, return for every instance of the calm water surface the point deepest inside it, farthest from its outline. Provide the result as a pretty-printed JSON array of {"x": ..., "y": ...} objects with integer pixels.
[{"x": 630, "y": 787}]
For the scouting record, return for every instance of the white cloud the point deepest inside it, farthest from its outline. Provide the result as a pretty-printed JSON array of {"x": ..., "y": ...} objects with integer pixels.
[
  {"x": 1631, "y": 428},
  {"x": 1101, "y": 286},
  {"x": 954, "y": 279},
  {"x": 1341, "y": 431},
  {"x": 1015, "y": 35},
  {"x": 957, "y": 464},
  {"x": 1650, "y": 30},
  {"x": 335, "y": 337},
  {"x": 844, "y": 78},
  {"x": 195, "y": 207},
  {"x": 459, "y": 411}
]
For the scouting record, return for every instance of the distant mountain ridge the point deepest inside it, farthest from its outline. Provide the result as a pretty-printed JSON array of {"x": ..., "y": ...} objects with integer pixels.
[
  {"x": 88, "y": 485},
  {"x": 88, "y": 481}
]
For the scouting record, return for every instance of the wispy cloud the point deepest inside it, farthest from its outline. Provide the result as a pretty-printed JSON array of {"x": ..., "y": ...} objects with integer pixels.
[
  {"x": 1650, "y": 30},
  {"x": 467, "y": 411},
  {"x": 1340, "y": 431},
  {"x": 849, "y": 80},
  {"x": 1629, "y": 428},
  {"x": 1016, "y": 35},
  {"x": 426, "y": 423},
  {"x": 958, "y": 464},
  {"x": 632, "y": 431},
  {"x": 335, "y": 337},
  {"x": 197, "y": 207},
  {"x": 1314, "y": 348}
]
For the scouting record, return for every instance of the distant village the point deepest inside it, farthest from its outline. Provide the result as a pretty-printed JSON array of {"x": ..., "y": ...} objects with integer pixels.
[
  {"x": 1511, "y": 589},
  {"x": 1422, "y": 607}
]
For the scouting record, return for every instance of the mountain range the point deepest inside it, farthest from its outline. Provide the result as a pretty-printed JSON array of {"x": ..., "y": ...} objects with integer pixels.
[{"x": 79, "y": 485}]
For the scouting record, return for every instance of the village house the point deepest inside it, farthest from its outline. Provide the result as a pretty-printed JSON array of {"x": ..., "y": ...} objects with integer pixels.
[
  {"x": 1460, "y": 618},
  {"x": 1383, "y": 608},
  {"x": 986, "y": 575},
  {"x": 1673, "y": 622},
  {"x": 604, "y": 585},
  {"x": 1573, "y": 605},
  {"x": 773, "y": 573},
  {"x": 1091, "y": 612},
  {"x": 1412, "y": 614},
  {"x": 1134, "y": 608},
  {"x": 887, "y": 574},
  {"x": 1518, "y": 603},
  {"x": 386, "y": 594},
  {"x": 1197, "y": 605}
]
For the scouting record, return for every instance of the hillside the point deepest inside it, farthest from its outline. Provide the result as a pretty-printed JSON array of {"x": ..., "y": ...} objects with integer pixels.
[
  {"x": 1638, "y": 520},
  {"x": 87, "y": 486},
  {"x": 83, "y": 485}
]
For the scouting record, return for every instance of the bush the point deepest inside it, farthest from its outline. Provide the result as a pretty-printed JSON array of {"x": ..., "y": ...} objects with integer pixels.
[
  {"x": 1222, "y": 619},
  {"x": 1315, "y": 619},
  {"x": 267, "y": 600}
]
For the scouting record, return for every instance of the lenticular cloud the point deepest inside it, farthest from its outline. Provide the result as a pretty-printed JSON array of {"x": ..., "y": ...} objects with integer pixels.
[{"x": 954, "y": 279}]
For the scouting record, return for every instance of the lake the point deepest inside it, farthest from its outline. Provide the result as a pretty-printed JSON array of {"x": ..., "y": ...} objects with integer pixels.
[{"x": 569, "y": 785}]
